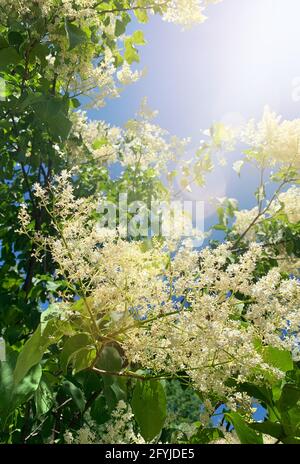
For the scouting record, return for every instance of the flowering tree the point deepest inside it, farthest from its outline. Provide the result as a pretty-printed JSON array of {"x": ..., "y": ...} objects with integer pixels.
[{"x": 145, "y": 338}]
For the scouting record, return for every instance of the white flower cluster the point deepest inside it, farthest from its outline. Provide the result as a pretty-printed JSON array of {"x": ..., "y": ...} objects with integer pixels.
[
  {"x": 291, "y": 204},
  {"x": 184, "y": 12},
  {"x": 126, "y": 76},
  {"x": 147, "y": 144},
  {"x": 243, "y": 219},
  {"x": 140, "y": 145},
  {"x": 207, "y": 337},
  {"x": 96, "y": 138},
  {"x": 181, "y": 313},
  {"x": 187, "y": 12},
  {"x": 288, "y": 202},
  {"x": 120, "y": 429},
  {"x": 273, "y": 141}
]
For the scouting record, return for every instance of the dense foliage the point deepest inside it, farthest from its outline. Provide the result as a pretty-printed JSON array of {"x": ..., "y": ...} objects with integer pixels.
[{"x": 111, "y": 336}]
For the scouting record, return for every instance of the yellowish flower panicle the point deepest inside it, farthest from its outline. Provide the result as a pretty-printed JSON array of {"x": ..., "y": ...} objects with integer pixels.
[
  {"x": 180, "y": 313},
  {"x": 273, "y": 140}
]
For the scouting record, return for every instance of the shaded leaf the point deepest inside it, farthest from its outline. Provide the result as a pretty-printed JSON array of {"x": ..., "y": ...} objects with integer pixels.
[{"x": 149, "y": 407}]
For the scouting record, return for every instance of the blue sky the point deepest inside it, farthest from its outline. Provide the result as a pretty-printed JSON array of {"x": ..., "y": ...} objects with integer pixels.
[{"x": 246, "y": 55}]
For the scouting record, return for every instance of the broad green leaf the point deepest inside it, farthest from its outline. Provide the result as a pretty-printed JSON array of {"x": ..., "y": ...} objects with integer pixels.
[
  {"x": 206, "y": 435},
  {"x": 246, "y": 434},
  {"x": 120, "y": 28},
  {"x": 39, "y": 51},
  {"x": 110, "y": 359},
  {"x": 30, "y": 355},
  {"x": 75, "y": 103},
  {"x": 36, "y": 346},
  {"x": 278, "y": 358},
  {"x": 142, "y": 16},
  {"x": 260, "y": 393},
  {"x": 3, "y": 42},
  {"x": 90, "y": 381},
  {"x": 11, "y": 395},
  {"x": 131, "y": 53},
  {"x": 290, "y": 397},
  {"x": 6, "y": 387},
  {"x": 138, "y": 38},
  {"x": 32, "y": 99},
  {"x": 53, "y": 113},
  {"x": 15, "y": 38},
  {"x": 9, "y": 56},
  {"x": 269, "y": 428},
  {"x": 60, "y": 126},
  {"x": 71, "y": 346},
  {"x": 76, "y": 36},
  {"x": 44, "y": 398},
  {"x": 291, "y": 441},
  {"x": 99, "y": 143},
  {"x": 83, "y": 359},
  {"x": 149, "y": 407},
  {"x": 290, "y": 420},
  {"x": 29, "y": 384},
  {"x": 99, "y": 412},
  {"x": 75, "y": 393}
]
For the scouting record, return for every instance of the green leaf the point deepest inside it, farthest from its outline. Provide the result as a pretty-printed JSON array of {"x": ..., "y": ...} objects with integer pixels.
[
  {"x": 131, "y": 53},
  {"x": 246, "y": 434},
  {"x": 99, "y": 143},
  {"x": 278, "y": 358},
  {"x": 99, "y": 411},
  {"x": 15, "y": 38},
  {"x": 32, "y": 99},
  {"x": 12, "y": 395},
  {"x": 6, "y": 388},
  {"x": 110, "y": 359},
  {"x": 31, "y": 354},
  {"x": 142, "y": 16},
  {"x": 291, "y": 441},
  {"x": 3, "y": 42},
  {"x": 53, "y": 113},
  {"x": 120, "y": 28},
  {"x": 76, "y": 36},
  {"x": 138, "y": 38},
  {"x": 75, "y": 103},
  {"x": 23, "y": 390},
  {"x": 45, "y": 335},
  {"x": 83, "y": 359},
  {"x": 78, "y": 397},
  {"x": 260, "y": 393},
  {"x": 44, "y": 398},
  {"x": 9, "y": 56},
  {"x": 290, "y": 397},
  {"x": 39, "y": 51},
  {"x": 206, "y": 435},
  {"x": 71, "y": 346},
  {"x": 220, "y": 227},
  {"x": 269, "y": 428},
  {"x": 149, "y": 407},
  {"x": 90, "y": 381}
]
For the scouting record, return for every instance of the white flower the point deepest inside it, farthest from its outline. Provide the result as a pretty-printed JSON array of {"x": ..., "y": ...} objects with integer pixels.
[
  {"x": 51, "y": 59},
  {"x": 273, "y": 141},
  {"x": 126, "y": 76},
  {"x": 291, "y": 204},
  {"x": 243, "y": 219},
  {"x": 186, "y": 12}
]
